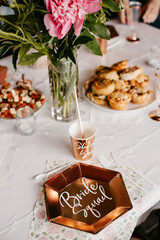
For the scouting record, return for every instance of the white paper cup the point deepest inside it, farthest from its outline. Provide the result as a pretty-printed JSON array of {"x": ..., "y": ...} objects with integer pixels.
[{"x": 82, "y": 146}]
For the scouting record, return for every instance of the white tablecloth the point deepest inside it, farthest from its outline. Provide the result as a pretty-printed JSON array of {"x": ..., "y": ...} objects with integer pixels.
[{"x": 132, "y": 138}]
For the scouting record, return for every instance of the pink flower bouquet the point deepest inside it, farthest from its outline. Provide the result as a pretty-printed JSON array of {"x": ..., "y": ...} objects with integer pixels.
[{"x": 53, "y": 28}]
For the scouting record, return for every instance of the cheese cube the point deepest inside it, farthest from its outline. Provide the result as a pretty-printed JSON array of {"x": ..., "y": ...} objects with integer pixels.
[
  {"x": 26, "y": 99},
  {"x": 16, "y": 98},
  {"x": 39, "y": 104},
  {"x": 12, "y": 111}
]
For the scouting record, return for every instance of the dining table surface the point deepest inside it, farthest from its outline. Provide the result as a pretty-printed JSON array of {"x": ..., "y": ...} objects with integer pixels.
[{"x": 128, "y": 141}]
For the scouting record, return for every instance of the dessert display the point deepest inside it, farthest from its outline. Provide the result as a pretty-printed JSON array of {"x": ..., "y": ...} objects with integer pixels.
[
  {"x": 13, "y": 98},
  {"x": 118, "y": 85}
]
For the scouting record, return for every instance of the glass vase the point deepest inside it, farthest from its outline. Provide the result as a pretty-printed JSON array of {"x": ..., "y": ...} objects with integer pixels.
[{"x": 62, "y": 79}]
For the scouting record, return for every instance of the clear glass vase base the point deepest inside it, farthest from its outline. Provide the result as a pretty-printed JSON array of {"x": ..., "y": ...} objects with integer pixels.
[
  {"x": 62, "y": 80},
  {"x": 57, "y": 115}
]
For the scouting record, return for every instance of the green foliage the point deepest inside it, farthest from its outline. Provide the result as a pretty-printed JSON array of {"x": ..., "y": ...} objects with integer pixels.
[
  {"x": 95, "y": 26},
  {"x": 111, "y": 5},
  {"x": 25, "y": 29},
  {"x": 30, "y": 58}
]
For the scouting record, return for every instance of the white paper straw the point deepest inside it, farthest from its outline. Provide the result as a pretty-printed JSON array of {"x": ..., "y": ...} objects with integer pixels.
[{"x": 78, "y": 111}]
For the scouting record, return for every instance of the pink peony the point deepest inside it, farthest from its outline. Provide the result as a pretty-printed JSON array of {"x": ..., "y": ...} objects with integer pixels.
[{"x": 64, "y": 13}]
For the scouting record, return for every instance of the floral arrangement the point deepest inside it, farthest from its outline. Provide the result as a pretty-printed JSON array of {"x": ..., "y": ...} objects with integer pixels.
[{"x": 53, "y": 27}]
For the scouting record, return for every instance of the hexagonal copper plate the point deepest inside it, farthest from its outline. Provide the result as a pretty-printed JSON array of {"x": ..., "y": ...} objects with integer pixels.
[{"x": 86, "y": 197}]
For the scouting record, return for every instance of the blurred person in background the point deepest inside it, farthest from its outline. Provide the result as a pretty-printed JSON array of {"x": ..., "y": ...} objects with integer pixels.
[{"x": 150, "y": 12}]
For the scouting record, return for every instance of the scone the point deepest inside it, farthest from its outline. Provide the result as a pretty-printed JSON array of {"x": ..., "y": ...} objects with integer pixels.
[
  {"x": 106, "y": 73},
  {"x": 97, "y": 99},
  {"x": 103, "y": 87},
  {"x": 140, "y": 95},
  {"x": 119, "y": 66},
  {"x": 122, "y": 85},
  {"x": 119, "y": 100},
  {"x": 131, "y": 73}
]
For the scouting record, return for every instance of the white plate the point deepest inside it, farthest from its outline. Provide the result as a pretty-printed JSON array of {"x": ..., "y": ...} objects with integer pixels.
[{"x": 131, "y": 106}]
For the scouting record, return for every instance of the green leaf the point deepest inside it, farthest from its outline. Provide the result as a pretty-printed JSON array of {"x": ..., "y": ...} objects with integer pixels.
[
  {"x": 60, "y": 54},
  {"x": 30, "y": 58},
  {"x": 100, "y": 30},
  {"x": 15, "y": 58},
  {"x": 93, "y": 45},
  {"x": 61, "y": 47},
  {"x": 82, "y": 40},
  {"x": 46, "y": 38},
  {"x": 111, "y": 5},
  {"x": 90, "y": 18},
  {"x": 23, "y": 51},
  {"x": 70, "y": 54}
]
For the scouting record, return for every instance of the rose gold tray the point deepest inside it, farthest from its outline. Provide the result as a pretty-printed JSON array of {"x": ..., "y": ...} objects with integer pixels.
[{"x": 86, "y": 197}]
